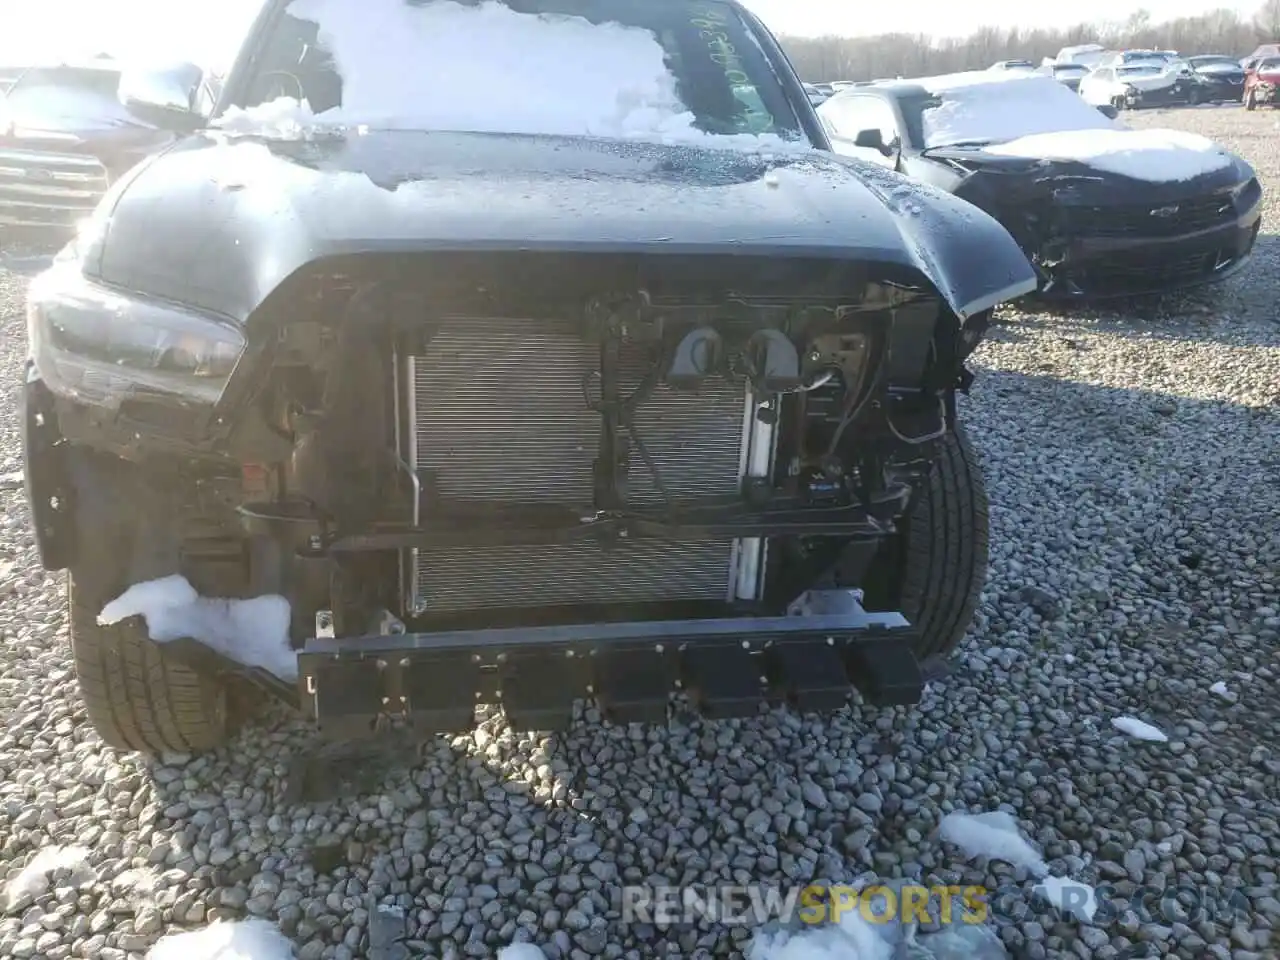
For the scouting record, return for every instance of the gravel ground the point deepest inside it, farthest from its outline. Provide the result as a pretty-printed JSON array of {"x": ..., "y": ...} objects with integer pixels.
[{"x": 1133, "y": 458}]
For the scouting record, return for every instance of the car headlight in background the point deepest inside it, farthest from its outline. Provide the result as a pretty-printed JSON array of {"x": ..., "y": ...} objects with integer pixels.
[{"x": 102, "y": 347}]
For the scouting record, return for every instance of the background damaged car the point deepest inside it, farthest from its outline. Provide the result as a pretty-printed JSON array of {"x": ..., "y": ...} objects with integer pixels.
[
  {"x": 1101, "y": 209},
  {"x": 68, "y": 130},
  {"x": 1222, "y": 76},
  {"x": 1142, "y": 81},
  {"x": 1261, "y": 84},
  {"x": 475, "y": 406}
]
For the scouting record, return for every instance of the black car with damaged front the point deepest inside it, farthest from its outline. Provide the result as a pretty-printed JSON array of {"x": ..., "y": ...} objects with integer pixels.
[
  {"x": 1222, "y": 76},
  {"x": 511, "y": 414},
  {"x": 1099, "y": 208}
]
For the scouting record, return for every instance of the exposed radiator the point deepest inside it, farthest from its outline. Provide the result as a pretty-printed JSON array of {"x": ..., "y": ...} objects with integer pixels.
[{"x": 497, "y": 412}]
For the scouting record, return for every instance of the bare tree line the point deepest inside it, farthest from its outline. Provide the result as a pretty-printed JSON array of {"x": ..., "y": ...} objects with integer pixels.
[{"x": 907, "y": 55}]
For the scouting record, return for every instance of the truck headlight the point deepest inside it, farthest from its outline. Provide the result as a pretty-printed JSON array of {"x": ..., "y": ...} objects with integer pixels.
[{"x": 102, "y": 347}]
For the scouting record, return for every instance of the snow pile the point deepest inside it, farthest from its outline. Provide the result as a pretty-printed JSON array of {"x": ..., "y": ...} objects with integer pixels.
[
  {"x": 252, "y": 632},
  {"x": 1161, "y": 156},
  {"x": 240, "y": 940},
  {"x": 442, "y": 65},
  {"x": 994, "y": 835},
  {"x": 33, "y": 880},
  {"x": 521, "y": 951},
  {"x": 1071, "y": 897},
  {"x": 1139, "y": 729},
  {"x": 853, "y": 938},
  {"x": 993, "y": 107}
]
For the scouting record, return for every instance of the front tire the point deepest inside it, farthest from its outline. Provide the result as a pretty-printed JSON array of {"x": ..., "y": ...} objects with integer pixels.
[
  {"x": 933, "y": 571},
  {"x": 136, "y": 699}
]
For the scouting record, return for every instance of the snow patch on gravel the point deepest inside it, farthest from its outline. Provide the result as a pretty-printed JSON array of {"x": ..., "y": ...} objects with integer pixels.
[
  {"x": 994, "y": 835},
  {"x": 252, "y": 632},
  {"x": 1139, "y": 729},
  {"x": 521, "y": 951},
  {"x": 1072, "y": 897},
  {"x": 33, "y": 880},
  {"x": 240, "y": 940},
  {"x": 853, "y": 938}
]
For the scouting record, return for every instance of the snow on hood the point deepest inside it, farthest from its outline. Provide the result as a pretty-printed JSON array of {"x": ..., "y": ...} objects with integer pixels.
[
  {"x": 533, "y": 74},
  {"x": 997, "y": 106},
  {"x": 1159, "y": 156}
]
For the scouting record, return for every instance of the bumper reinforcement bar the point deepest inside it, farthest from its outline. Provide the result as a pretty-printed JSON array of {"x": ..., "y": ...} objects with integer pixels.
[{"x": 812, "y": 660}]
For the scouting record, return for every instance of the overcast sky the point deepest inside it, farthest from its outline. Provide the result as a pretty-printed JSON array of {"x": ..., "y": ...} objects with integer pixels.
[{"x": 208, "y": 31}]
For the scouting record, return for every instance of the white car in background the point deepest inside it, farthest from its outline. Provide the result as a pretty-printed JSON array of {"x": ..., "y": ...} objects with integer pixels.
[
  {"x": 1142, "y": 83},
  {"x": 1085, "y": 54}
]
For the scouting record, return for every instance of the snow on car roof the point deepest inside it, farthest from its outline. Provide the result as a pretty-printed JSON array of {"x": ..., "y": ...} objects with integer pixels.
[{"x": 443, "y": 65}]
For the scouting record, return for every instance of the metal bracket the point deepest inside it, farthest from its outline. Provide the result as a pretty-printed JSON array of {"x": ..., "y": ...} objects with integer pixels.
[
  {"x": 387, "y": 624},
  {"x": 324, "y": 624}
]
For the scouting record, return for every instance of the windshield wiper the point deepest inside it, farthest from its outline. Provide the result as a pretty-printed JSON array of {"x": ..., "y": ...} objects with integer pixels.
[{"x": 959, "y": 143}]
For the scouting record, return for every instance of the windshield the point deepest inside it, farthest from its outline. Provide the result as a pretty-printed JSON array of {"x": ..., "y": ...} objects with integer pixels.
[
  {"x": 1270, "y": 63},
  {"x": 657, "y": 70},
  {"x": 996, "y": 112},
  {"x": 1071, "y": 68},
  {"x": 1214, "y": 61}
]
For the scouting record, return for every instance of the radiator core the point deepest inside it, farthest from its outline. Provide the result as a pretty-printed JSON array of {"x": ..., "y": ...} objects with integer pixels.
[{"x": 498, "y": 411}]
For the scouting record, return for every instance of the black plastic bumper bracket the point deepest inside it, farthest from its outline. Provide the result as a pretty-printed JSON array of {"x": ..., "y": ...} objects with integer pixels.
[
  {"x": 536, "y": 694},
  {"x": 810, "y": 676},
  {"x": 635, "y": 686},
  {"x": 348, "y": 698},
  {"x": 439, "y": 693},
  {"x": 723, "y": 680},
  {"x": 885, "y": 671}
]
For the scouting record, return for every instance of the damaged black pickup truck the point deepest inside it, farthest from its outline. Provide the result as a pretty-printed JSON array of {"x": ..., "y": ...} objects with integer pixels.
[{"x": 514, "y": 417}]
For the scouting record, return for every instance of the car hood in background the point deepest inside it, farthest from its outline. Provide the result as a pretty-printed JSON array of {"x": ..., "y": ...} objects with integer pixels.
[
  {"x": 1150, "y": 156},
  {"x": 1119, "y": 178},
  {"x": 219, "y": 223},
  {"x": 65, "y": 110},
  {"x": 1152, "y": 82}
]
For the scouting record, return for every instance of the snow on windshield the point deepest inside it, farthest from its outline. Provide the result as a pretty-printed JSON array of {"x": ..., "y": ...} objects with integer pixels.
[
  {"x": 984, "y": 110},
  {"x": 486, "y": 68}
]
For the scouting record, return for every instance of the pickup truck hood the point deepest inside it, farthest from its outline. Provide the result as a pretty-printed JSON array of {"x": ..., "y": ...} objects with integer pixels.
[{"x": 218, "y": 222}]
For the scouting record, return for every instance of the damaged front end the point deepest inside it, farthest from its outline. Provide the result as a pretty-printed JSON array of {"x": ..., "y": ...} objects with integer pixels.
[
  {"x": 525, "y": 478},
  {"x": 1090, "y": 234}
]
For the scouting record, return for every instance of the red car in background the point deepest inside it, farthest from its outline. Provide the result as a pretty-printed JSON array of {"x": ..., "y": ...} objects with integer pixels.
[{"x": 1261, "y": 83}]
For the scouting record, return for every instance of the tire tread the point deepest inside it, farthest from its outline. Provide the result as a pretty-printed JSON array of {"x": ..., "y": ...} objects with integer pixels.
[
  {"x": 137, "y": 699},
  {"x": 947, "y": 549}
]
